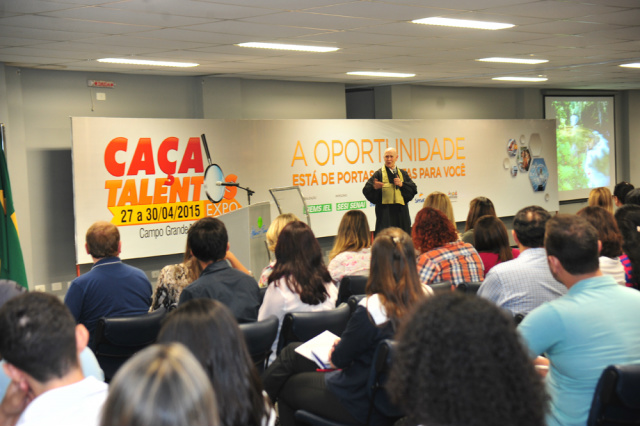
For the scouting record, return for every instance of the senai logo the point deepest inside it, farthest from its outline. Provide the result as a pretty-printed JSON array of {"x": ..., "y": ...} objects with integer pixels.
[{"x": 419, "y": 199}]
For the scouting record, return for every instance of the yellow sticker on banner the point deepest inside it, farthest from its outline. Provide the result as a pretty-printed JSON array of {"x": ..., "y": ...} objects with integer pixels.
[{"x": 158, "y": 213}]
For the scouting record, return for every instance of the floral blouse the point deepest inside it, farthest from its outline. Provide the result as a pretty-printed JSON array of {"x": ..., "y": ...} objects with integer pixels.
[
  {"x": 171, "y": 281},
  {"x": 350, "y": 263}
]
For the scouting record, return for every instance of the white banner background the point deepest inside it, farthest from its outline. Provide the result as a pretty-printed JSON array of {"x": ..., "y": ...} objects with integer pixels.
[{"x": 330, "y": 159}]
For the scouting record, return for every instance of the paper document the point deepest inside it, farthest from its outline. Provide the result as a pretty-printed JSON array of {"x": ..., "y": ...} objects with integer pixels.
[{"x": 317, "y": 349}]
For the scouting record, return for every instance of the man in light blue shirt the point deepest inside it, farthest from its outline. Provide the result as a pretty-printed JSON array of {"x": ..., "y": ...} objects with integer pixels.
[
  {"x": 524, "y": 283},
  {"x": 593, "y": 326}
]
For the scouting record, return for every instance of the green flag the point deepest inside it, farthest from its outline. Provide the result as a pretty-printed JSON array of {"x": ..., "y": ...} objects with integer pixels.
[{"x": 11, "y": 262}]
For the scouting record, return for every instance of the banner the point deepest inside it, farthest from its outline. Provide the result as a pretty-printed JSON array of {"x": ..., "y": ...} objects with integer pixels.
[
  {"x": 147, "y": 175},
  {"x": 11, "y": 261}
]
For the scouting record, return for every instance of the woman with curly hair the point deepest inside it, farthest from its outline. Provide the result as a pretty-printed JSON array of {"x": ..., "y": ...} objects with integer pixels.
[
  {"x": 492, "y": 242},
  {"x": 628, "y": 219},
  {"x": 459, "y": 361},
  {"x": 351, "y": 253},
  {"x": 272, "y": 238},
  {"x": 393, "y": 288},
  {"x": 299, "y": 281},
  {"x": 478, "y": 207},
  {"x": 442, "y": 256},
  {"x": 611, "y": 239},
  {"x": 208, "y": 329},
  {"x": 601, "y": 197}
]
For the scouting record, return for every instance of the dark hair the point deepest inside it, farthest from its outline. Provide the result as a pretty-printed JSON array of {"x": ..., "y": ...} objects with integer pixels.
[
  {"x": 208, "y": 239},
  {"x": 299, "y": 261},
  {"x": 209, "y": 330},
  {"x": 574, "y": 242},
  {"x": 632, "y": 197},
  {"x": 431, "y": 229},
  {"x": 490, "y": 235},
  {"x": 529, "y": 226},
  {"x": 394, "y": 274},
  {"x": 621, "y": 190},
  {"x": 38, "y": 336},
  {"x": 478, "y": 207},
  {"x": 353, "y": 233},
  {"x": 628, "y": 218},
  {"x": 103, "y": 240},
  {"x": 608, "y": 232},
  {"x": 460, "y": 361}
]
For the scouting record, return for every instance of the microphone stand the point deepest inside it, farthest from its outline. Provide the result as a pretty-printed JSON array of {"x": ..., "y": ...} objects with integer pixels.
[{"x": 249, "y": 193}]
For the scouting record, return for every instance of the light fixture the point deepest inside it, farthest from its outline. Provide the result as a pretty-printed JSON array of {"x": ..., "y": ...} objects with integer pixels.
[
  {"x": 632, "y": 65},
  {"x": 463, "y": 23},
  {"x": 514, "y": 60},
  {"x": 146, "y": 62},
  {"x": 381, "y": 74},
  {"x": 297, "y": 47},
  {"x": 529, "y": 79}
]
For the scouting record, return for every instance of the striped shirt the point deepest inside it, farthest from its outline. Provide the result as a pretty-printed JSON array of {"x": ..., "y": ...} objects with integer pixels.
[{"x": 457, "y": 262}]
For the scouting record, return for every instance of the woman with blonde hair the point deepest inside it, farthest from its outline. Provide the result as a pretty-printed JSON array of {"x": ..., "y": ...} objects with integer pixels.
[
  {"x": 272, "y": 238},
  {"x": 351, "y": 253},
  {"x": 601, "y": 197},
  {"x": 440, "y": 201},
  {"x": 162, "y": 385}
]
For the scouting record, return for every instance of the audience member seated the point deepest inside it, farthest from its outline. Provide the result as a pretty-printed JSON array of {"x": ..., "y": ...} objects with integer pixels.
[
  {"x": 521, "y": 285},
  {"x": 633, "y": 197},
  {"x": 88, "y": 362},
  {"x": 628, "y": 219},
  {"x": 40, "y": 343},
  {"x": 207, "y": 328},
  {"x": 610, "y": 239},
  {"x": 300, "y": 282},
  {"x": 591, "y": 327},
  {"x": 492, "y": 242},
  {"x": 351, "y": 253},
  {"x": 440, "y": 201},
  {"x": 478, "y": 207},
  {"x": 341, "y": 395},
  {"x": 442, "y": 256},
  {"x": 272, "y": 238},
  {"x": 620, "y": 192},
  {"x": 459, "y": 361},
  {"x": 162, "y": 385},
  {"x": 237, "y": 290},
  {"x": 173, "y": 279},
  {"x": 601, "y": 197},
  {"x": 110, "y": 288}
]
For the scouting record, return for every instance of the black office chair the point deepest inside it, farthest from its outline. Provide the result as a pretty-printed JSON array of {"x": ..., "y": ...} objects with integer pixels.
[
  {"x": 616, "y": 400},
  {"x": 353, "y": 301},
  {"x": 517, "y": 318},
  {"x": 118, "y": 339},
  {"x": 443, "y": 287},
  {"x": 350, "y": 285},
  {"x": 303, "y": 326},
  {"x": 260, "y": 337},
  {"x": 263, "y": 290},
  {"x": 470, "y": 288},
  {"x": 378, "y": 396}
]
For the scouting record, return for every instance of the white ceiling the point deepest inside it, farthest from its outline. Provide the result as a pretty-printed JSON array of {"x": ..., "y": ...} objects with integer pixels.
[{"x": 584, "y": 40}]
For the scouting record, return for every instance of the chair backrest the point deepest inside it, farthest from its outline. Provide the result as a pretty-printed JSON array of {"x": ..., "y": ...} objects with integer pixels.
[
  {"x": 117, "y": 339},
  {"x": 471, "y": 288},
  {"x": 443, "y": 287},
  {"x": 378, "y": 379},
  {"x": 263, "y": 290},
  {"x": 350, "y": 285},
  {"x": 303, "y": 326},
  {"x": 616, "y": 400},
  {"x": 259, "y": 337},
  {"x": 353, "y": 301}
]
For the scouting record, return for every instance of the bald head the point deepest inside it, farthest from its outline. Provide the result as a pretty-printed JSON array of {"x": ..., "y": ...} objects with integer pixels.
[
  {"x": 103, "y": 240},
  {"x": 390, "y": 157}
]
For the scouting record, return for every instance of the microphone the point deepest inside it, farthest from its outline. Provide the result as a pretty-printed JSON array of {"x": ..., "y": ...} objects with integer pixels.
[{"x": 227, "y": 183}]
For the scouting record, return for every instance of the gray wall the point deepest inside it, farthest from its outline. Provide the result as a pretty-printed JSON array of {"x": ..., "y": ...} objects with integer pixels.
[{"x": 35, "y": 106}]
